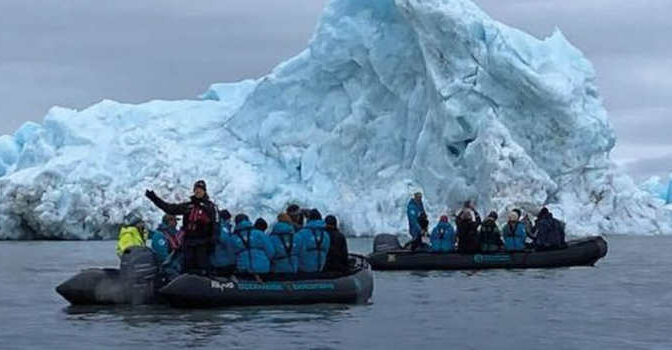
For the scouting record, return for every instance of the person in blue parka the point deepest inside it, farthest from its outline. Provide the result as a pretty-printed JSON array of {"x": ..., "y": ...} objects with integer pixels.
[
  {"x": 164, "y": 238},
  {"x": 223, "y": 258},
  {"x": 443, "y": 236},
  {"x": 282, "y": 238},
  {"x": 311, "y": 244},
  {"x": 414, "y": 210},
  {"x": 253, "y": 249},
  {"x": 514, "y": 233}
]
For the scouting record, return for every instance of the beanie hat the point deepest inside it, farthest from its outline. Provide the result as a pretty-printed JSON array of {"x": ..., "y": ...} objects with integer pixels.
[
  {"x": 240, "y": 218},
  {"x": 224, "y": 215},
  {"x": 543, "y": 212},
  {"x": 493, "y": 214},
  {"x": 261, "y": 224},
  {"x": 443, "y": 218},
  {"x": 200, "y": 184},
  {"x": 314, "y": 214}
]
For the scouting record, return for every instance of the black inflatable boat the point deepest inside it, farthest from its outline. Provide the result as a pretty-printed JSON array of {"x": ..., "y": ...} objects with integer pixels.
[
  {"x": 134, "y": 282},
  {"x": 204, "y": 291},
  {"x": 389, "y": 255}
]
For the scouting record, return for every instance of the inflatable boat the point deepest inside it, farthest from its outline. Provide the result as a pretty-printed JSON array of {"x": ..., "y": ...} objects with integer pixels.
[
  {"x": 134, "y": 282},
  {"x": 188, "y": 290},
  {"x": 389, "y": 255}
]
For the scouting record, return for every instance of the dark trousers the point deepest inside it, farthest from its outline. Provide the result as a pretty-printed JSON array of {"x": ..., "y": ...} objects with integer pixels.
[{"x": 196, "y": 255}]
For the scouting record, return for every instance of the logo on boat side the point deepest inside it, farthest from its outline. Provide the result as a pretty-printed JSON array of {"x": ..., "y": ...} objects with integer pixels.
[
  {"x": 491, "y": 259},
  {"x": 222, "y": 285},
  {"x": 391, "y": 258}
]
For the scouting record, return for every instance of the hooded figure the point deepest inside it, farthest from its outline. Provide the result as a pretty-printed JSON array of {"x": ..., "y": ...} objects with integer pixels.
[
  {"x": 252, "y": 247},
  {"x": 223, "y": 259},
  {"x": 415, "y": 210},
  {"x": 513, "y": 233},
  {"x": 443, "y": 236},
  {"x": 200, "y": 225},
  {"x": 550, "y": 232},
  {"x": 282, "y": 238},
  {"x": 311, "y": 244},
  {"x": 489, "y": 236},
  {"x": 132, "y": 233},
  {"x": 467, "y": 233},
  {"x": 337, "y": 257},
  {"x": 165, "y": 239}
]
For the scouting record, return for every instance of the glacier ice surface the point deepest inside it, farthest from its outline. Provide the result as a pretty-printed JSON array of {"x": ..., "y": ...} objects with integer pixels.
[{"x": 389, "y": 96}]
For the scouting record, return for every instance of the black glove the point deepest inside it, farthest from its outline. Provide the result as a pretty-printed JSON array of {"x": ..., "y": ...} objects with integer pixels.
[{"x": 151, "y": 195}]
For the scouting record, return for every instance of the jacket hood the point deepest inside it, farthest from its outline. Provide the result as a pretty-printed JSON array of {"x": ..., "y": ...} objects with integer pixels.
[
  {"x": 316, "y": 224},
  {"x": 243, "y": 225}
]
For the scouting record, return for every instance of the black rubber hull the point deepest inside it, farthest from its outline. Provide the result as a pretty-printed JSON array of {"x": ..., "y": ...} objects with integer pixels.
[
  {"x": 95, "y": 287},
  {"x": 202, "y": 292},
  {"x": 583, "y": 252}
]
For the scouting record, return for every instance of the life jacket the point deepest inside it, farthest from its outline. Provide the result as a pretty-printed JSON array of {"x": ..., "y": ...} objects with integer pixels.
[
  {"x": 489, "y": 234},
  {"x": 287, "y": 241},
  {"x": 129, "y": 236},
  {"x": 198, "y": 219},
  {"x": 318, "y": 245}
]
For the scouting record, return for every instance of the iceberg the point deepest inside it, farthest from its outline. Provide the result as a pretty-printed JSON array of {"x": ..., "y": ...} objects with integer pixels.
[
  {"x": 658, "y": 189},
  {"x": 389, "y": 96}
]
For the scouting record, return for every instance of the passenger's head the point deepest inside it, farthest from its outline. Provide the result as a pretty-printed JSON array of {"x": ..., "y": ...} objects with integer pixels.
[
  {"x": 224, "y": 215},
  {"x": 513, "y": 216},
  {"x": 169, "y": 220},
  {"x": 200, "y": 189},
  {"x": 294, "y": 212},
  {"x": 544, "y": 212},
  {"x": 443, "y": 218},
  {"x": 466, "y": 215},
  {"x": 283, "y": 217},
  {"x": 417, "y": 196},
  {"x": 314, "y": 214},
  {"x": 134, "y": 218},
  {"x": 261, "y": 224},
  {"x": 331, "y": 222},
  {"x": 493, "y": 215},
  {"x": 518, "y": 211},
  {"x": 240, "y": 218}
]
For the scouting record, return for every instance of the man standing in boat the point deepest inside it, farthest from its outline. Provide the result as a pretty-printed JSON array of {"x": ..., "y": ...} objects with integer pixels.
[
  {"x": 200, "y": 225},
  {"x": 414, "y": 211}
]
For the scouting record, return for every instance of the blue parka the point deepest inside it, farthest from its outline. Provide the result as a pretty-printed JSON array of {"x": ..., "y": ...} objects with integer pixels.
[
  {"x": 161, "y": 245},
  {"x": 224, "y": 254},
  {"x": 413, "y": 212},
  {"x": 253, "y": 249},
  {"x": 443, "y": 237},
  {"x": 514, "y": 236},
  {"x": 311, "y": 244},
  {"x": 282, "y": 238}
]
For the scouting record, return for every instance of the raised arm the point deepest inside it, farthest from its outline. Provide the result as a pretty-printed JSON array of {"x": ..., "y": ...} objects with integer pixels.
[{"x": 168, "y": 208}]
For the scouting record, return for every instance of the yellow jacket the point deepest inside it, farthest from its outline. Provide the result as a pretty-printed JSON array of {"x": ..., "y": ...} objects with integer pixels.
[{"x": 129, "y": 236}]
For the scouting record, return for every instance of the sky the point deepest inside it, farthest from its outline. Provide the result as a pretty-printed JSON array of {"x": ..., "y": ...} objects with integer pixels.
[{"x": 75, "y": 53}]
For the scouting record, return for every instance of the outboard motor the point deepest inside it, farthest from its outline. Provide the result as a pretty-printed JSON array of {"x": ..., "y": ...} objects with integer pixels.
[
  {"x": 385, "y": 242},
  {"x": 139, "y": 273}
]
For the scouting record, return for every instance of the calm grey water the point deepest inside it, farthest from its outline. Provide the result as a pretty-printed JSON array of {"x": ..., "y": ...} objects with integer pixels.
[{"x": 625, "y": 302}]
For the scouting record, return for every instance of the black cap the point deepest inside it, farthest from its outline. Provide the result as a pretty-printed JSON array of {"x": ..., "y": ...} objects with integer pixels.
[
  {"x": 293, "y": 209},
  {"x": 201, "y": 184},
  {"x": 493, "y": 214}
]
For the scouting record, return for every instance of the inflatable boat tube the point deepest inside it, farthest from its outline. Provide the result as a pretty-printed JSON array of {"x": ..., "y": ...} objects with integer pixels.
[
  {"x": 205, "y": 291},
  {"x": 133, "y": 283},
  {"x": 389, "y": 255}
]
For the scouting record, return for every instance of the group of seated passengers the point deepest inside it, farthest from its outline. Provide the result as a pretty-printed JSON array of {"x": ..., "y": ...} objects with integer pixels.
[
  {"x": 473, "y": 235},
  {"x": 209, "y": 242}
]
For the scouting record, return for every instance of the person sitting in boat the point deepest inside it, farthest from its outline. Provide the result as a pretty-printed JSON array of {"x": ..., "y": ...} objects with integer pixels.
[
  {"x": 261, "y": 225},
  {"x": 252, "y": 247},
  {"x": 550, "y": 232},
  {"x": 414, "y": 210},
  {"x": 527, "y": 223},
  {"x": 470, "y": 207},
  {"x": 165, "y": 238},
  {"x": 223, "y": 258},
  {"x": 337, "y": 257},
  {"x": 200, "y": 225},
  {"x": 467, "y": 233},
  {"x": 514, "y": 233},
  {"x": 312, "y": 244},
  {"x": 443, "y": 236},
  {"x": 489, "y": 237},
  {"x": 132, "y": 233},
  {"x": 295, "y": 212},
  {"x": 282, "y": 238}
]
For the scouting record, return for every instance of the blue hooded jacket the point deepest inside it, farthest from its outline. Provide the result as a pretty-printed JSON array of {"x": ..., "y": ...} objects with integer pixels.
[
  {"x": 160, "y": 244},
  {"x": 311, "y": 245},
  {"x": 282, "y": 238},
  {"x": 413, "y": 211},
  {"x": 514, "y": 237},
  {"x": 224, "y": 254},
  {"x": 253, "y": 249},
  {"x": 443, "y": 237}
]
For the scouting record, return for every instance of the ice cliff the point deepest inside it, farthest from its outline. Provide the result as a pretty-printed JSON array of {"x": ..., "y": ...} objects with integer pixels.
[{"x": 389, "y": 96}]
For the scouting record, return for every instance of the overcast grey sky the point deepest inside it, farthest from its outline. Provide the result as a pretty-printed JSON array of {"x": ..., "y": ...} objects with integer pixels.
[{"x": 74, "y": 53}]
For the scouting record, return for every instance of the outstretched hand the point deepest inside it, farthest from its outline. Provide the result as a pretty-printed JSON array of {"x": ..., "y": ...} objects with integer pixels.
[{"x": 150, "y": 194}]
